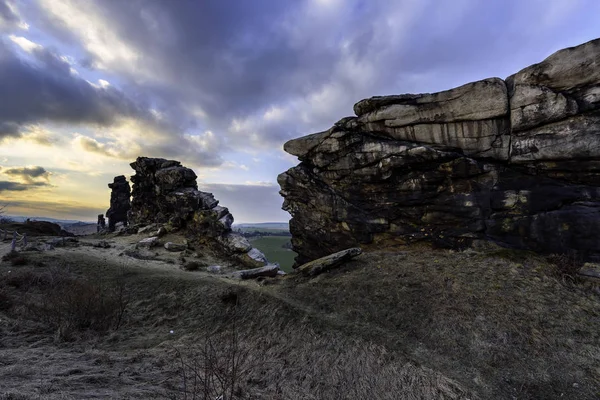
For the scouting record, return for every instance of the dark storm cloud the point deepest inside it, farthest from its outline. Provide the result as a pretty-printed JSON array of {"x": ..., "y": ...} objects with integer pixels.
[
  {"x": 20, "y": 187},
  {"x": 236, "y": 59},
  {"x": 27, "y": 173},
  {"x": 46, "y": 90}
]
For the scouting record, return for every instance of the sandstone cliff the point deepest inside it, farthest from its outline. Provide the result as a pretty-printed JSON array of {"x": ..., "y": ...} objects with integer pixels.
[{"x": 515, "y": 161}]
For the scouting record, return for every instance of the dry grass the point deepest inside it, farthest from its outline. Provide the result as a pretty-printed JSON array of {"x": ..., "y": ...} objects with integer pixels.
[
  {"x": 15, "y": 258},
  {"x": 412, "y": 325}
]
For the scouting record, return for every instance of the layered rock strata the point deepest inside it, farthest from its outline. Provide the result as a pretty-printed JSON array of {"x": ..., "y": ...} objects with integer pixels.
[
  {"x": 514, "y": 161},
  {"x": 165, "y": 192}
]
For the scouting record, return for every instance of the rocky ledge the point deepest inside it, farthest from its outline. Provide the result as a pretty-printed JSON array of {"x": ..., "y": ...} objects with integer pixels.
[{"x": 514, "y": 161}]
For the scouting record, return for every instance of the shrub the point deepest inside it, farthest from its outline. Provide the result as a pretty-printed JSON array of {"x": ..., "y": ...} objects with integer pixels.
[
  {"x": 217, "y": 369},
  {"x": 75, "y": 304}
]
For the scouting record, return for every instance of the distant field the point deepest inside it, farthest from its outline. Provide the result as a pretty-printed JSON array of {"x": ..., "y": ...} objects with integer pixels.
[
  {"x": 260, "y": 229},
  {"x": 267, "y": 226},
  {"x": 272, "y": 247}
]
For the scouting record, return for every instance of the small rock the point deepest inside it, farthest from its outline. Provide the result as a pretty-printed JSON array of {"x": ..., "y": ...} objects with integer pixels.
[
  {"x": 214, "y": 269},
  {"x": 162, "y": 231},
  {"x": 148, "y": 242},
  {"x": 175, "y": 246},
  {"x": 103, "y": 244}
]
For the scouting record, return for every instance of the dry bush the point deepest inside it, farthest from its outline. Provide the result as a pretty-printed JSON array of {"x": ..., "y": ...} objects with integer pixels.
[
  {"x": 79, "y": 305},
  {"x": 72, "y": 304},
  {"x": 216, "y": 369}
]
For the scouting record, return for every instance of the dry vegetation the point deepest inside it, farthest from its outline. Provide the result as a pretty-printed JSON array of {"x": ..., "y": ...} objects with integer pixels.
[{"x": 404, "y": 325}]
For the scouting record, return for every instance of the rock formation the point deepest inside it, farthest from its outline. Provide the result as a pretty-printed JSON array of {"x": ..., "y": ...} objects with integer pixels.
[
  {"x": 165, "y": 192},
  {"x": 120, "y": 202},
  {"x": 514, "y": 161}
]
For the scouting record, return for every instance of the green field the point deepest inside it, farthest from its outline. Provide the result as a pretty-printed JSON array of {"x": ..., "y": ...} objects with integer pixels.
[{"x": 272, "y": 247}]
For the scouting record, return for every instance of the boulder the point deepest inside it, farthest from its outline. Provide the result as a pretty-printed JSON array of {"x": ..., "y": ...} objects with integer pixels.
[
  {"x": 148, "y": 242},
  {"x": 170, "y": 246},
  {"x": 214, "y": 269},
  {"x": 329, "y": 262},
  {"x": 266, "y": 271},
  {"x": 515, "y": 162},
  {"x": 236, "y": 243}
]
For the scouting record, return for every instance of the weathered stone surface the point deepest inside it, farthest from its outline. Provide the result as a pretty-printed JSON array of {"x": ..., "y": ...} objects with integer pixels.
[
  {"x": 148, "y": 242},
  {"x": 236, "y": 243},
  {"x": 473, "y": 118},
  {"x": 331, "y": 261},
  {"x": 451, "y": 169},
  {"x": 564, "y": 84},
  {"x": 175, "y": 247}
]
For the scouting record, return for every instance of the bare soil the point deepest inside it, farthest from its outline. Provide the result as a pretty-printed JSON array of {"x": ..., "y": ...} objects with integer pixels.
[{"x": 409, "y": 324}]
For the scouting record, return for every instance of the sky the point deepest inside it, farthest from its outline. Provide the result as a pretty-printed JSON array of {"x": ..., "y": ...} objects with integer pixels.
[{"x": 86, "y": 86}]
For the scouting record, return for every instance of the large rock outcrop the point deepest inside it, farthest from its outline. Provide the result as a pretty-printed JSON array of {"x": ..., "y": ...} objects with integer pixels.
[
  {"x": 515, "y": 161},
  {"x": 165, "y": 192},
  {"x": 120, "y": 202}
]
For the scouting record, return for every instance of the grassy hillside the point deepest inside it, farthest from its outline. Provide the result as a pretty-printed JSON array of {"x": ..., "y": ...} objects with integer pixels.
[{"x": 418, "y": 324}]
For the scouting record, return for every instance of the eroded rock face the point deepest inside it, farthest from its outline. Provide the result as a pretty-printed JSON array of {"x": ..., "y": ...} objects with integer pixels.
[
  {"x": 515, "y": 161},
  {"x": 165, "y": 192}
]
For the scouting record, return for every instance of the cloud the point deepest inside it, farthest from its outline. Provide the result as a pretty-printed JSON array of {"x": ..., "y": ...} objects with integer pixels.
[
  {"x": 45, "y": 90},
  {"x": 10, "y": 18},
  {"x": 92, "y": 146},
  {"x": 20, "y": 187},
  {"x": 28, "y": 174}
]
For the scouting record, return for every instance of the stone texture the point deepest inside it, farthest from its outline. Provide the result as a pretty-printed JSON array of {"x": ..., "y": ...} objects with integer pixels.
[
  {"x": 517, "y": 164},
  {"x": 120, "y": 202},
  {"x": 564, "y": 84}
]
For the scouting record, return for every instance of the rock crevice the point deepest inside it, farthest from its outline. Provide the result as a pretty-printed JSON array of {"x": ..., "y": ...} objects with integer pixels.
[{"x": 514, "y": 161}]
